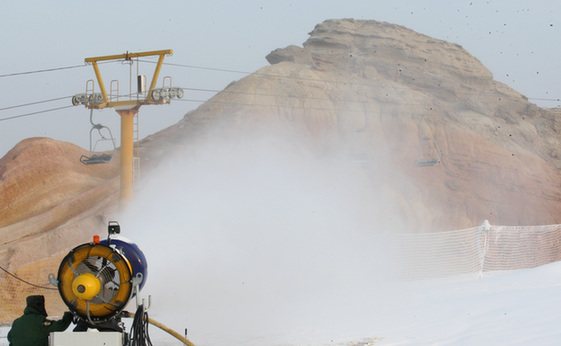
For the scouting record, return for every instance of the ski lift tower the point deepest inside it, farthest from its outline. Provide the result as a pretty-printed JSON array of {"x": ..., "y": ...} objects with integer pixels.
[{"x": 128, "y": 109}]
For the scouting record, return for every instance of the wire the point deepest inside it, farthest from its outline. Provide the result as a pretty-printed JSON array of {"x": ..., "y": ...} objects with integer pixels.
[
  {"x": 35, "y": 113},
  {"x": 218, "y": 102},
  {"x": 164, "y": 328},
  {"x": 275, "y": 105},
  {"x": 39, "y": 71},
  {"x": 205, "y": 90},
  {"x": 27, "y": 282},
  {"x": 347, "y": 102},
  {"x": 34, "y": 103},
  {"x": 199, "y": 67},
  {"x": 252, "y": 73},
  {"x": 538, "y": 99},
  {"x": 202, "y": 68},
  {"x": 209, "y": 90},
  {"x": 138, "y": 335},
  {"x": 304, "y": 79},
  {"x": 212, "y": 101},
  {"x": 48, "y": 70}
]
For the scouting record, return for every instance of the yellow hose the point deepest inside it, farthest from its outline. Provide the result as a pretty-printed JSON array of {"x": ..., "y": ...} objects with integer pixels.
[{"x": 164, "y": 328}]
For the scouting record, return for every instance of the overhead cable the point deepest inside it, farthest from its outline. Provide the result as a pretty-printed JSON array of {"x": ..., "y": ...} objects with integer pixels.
[
  {"x": 347, "y": 82},
  {"x": 34, "y": 113},
  {"x": 47, "y": 70},
  {"x": 199, "y": 67},
  {"x": 539, "y": 99},
  {"x": 35, "y": 103},
  {"x": 26, "y": 282},
  {"x": 39, "y": 71}
]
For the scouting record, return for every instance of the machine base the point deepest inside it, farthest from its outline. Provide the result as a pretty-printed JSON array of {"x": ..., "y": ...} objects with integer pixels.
[{"x": 86, "y": 339}]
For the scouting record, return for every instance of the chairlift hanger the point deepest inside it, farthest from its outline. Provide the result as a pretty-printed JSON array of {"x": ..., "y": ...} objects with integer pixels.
[
  {"x": 98, "y": 157},
  {"x": 423, "y": 161}
]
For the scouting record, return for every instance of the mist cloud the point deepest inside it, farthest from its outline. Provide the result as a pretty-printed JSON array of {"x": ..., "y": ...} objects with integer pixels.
[{"x": 259, "y": 235}]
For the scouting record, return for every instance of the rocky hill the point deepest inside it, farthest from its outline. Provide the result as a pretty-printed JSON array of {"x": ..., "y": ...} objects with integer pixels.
[
  {"x": 43, "y": 189},
  {"x": 452, "y": 146},
  {"x": 390, "y": 97}
]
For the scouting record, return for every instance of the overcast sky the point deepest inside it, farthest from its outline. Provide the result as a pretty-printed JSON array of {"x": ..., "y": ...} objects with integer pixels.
[{"x": 517, "y": 40}]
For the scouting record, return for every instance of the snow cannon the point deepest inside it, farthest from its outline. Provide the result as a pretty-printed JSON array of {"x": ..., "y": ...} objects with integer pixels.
[{"x": 96, "y": 280}]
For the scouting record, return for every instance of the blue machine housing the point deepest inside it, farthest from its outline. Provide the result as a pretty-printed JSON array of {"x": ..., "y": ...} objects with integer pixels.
[{"x": 132, "y": 253}]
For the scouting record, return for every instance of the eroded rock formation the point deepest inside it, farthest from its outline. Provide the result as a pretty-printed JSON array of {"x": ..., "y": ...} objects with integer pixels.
[{"x": 377, "y": 93}]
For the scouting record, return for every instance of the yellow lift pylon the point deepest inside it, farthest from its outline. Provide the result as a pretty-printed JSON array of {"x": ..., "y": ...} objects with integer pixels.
[{"x": 127, "y": 109}]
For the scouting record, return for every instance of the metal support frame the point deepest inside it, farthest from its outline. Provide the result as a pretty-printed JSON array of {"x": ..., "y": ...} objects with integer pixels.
[
  {"x": 127, "y": 109},
  {"x": 127, "y": 152},
  {"x": 128, "y": 57}
]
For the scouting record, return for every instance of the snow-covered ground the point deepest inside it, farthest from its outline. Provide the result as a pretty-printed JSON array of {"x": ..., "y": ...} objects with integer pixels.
[
  {"x": 258, "y": 244},
  {"x": 520, "y": 307},
  {"x": 503, "y": 308}
]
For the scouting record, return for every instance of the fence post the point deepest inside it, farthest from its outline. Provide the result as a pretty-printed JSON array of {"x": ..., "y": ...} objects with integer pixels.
[{"x": 483, "y": 231}]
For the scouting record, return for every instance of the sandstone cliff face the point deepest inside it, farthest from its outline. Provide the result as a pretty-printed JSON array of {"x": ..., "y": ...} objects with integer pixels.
[
  {"x": 40, "y": 173},
  {"x": 43, "y": 189},
  {"x": 391, "y": 97},
  {"x": 376, "y": 93}
]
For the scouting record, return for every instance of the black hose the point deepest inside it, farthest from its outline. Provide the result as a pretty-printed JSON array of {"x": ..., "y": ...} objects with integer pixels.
[{"x": 139, "y": 330}]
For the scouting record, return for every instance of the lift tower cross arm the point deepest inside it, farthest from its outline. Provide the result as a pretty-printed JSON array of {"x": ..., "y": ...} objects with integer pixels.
[{"x": 128, "y": 57}]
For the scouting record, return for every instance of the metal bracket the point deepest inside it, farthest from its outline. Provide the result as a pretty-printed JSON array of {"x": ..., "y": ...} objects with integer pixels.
[
  {"x": 53, "y": 280},
  {"x": 136, "y": 281}
]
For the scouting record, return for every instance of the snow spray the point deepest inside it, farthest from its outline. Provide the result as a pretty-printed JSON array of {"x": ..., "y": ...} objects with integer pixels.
[{"x": 259, "y": 237}]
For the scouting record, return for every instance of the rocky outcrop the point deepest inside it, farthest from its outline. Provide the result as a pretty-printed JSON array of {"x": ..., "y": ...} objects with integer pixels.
[
  {"x": 448, "y": 145},
  {"x": 371, "y": 90},
  {"x": 392, "y": 97},
  {"x": 43, "y": 189},
  {"x": 40, "y": 173}
]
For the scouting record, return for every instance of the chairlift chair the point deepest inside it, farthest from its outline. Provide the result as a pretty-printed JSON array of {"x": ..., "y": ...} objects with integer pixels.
[
  {"x": 99, "y": 157},
  {"x": 424, "y": 161}
]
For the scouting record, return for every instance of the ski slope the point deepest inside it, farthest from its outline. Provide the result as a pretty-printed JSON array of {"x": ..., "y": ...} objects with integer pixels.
[
  {"x": 255, "y": 244},
  {"x": 520, "y": 307}
]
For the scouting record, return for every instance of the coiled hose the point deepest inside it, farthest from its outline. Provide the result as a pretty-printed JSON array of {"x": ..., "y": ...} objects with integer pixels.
[{"x": 139, "y": 330}]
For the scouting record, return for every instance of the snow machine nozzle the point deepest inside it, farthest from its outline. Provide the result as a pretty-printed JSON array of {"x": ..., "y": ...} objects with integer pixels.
[{"x": 97, "y": 280}]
